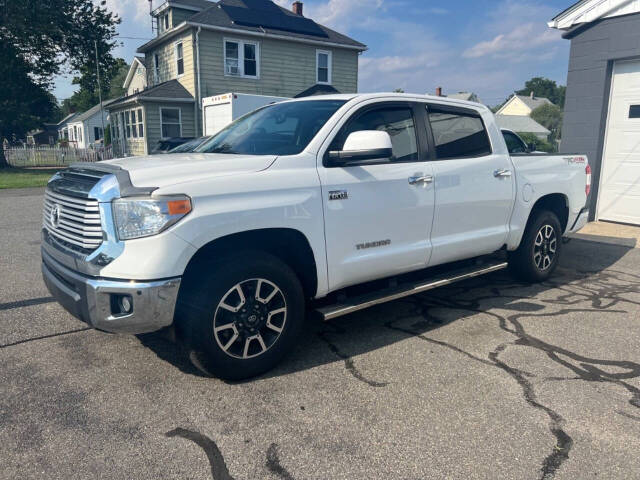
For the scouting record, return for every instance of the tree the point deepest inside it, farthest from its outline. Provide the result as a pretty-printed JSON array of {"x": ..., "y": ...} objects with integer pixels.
[
  {"x": 116, "y": 89},
  {"x": 40, "y": 39},
  {"x": 543, "y": 87},
  {"x": 87, "y": 96},
  {"x": 549, "y": 116},
  {"x": 540, "y": 145},
  {"x": 398, "y": 90}
]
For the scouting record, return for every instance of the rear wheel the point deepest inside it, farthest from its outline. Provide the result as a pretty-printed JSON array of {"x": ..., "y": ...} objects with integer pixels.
[
  {"x": 538, "y": 254},
  {"x": 241, "y": 315}
]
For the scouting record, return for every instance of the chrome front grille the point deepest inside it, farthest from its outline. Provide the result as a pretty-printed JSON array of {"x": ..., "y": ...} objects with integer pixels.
[{"x": 73, "y": 220}]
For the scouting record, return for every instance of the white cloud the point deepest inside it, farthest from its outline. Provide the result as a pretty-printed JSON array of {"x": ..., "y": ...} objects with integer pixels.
[
  {"x": 127, "y": 9},
  {"x": 343, "y": 15},
  {"x": 523, "y": 38}
]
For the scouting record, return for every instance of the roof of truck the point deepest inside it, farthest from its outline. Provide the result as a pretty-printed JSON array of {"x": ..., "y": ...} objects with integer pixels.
[{"x": 399, "y": 96}]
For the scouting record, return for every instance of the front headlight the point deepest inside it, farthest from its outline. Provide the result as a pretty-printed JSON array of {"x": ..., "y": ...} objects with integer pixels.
[{"x": 143, "y": 217}]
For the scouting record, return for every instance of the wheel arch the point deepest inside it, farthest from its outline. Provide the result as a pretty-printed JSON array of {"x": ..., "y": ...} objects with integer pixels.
[
  {"x": 288, "y": 244},
  {"x": 558, "y": 203}
]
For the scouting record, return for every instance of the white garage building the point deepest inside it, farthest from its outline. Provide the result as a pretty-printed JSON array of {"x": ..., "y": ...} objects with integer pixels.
[{"x": 602, "y": 108}]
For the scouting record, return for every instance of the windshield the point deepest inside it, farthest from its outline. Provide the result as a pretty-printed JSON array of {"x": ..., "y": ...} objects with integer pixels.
[
  {"x": 190, "y": 146},
  {"x": 278, "y": 129}
]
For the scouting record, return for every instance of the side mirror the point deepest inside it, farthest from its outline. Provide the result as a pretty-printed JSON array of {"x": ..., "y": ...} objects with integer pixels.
[
  {"x": 364, "y": 145},
  {"x": 532, "y": 147}
]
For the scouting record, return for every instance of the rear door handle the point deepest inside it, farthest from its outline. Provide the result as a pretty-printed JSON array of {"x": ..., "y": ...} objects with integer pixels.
[
  {"x": 503, "y": 172},
  {"x": 421, "y": 179}
]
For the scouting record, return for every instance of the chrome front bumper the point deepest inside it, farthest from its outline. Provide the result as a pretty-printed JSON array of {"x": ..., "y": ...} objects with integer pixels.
[{"x": 93, "y": 300}]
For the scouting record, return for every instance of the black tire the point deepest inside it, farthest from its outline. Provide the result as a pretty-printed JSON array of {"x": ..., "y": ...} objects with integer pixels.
[
  {"x": 208, "y": 327},
  {"x": 534, "y": 262}
]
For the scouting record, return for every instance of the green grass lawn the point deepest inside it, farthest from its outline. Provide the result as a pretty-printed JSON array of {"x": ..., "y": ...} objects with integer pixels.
[{"x": 25, "y": 177}]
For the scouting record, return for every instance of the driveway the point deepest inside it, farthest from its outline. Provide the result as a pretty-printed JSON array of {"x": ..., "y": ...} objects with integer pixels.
[{"x": 484, "y": 379}]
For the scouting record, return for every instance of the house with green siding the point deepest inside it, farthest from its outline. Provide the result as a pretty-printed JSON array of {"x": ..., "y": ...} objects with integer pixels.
[{"x": 206, "y": 48}]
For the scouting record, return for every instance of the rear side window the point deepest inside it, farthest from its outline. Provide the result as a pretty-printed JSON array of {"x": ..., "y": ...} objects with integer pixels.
[
  {"x": 396, "y": 121},
  {"x": 514, "y": 143},
  {"x": 458, "y": 134}
]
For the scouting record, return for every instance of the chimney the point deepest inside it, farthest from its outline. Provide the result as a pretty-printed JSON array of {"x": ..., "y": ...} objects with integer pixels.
[
  {"x": 438, "y": 91},
  {"x": 297, "y": 8}
]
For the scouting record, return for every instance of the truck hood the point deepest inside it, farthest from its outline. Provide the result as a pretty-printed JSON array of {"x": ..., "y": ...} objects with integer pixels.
[{"x": 170, "y": 169}]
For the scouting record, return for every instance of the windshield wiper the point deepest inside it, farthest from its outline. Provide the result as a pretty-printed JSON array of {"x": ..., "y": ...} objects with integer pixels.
[{"x": 224, "y": 148}]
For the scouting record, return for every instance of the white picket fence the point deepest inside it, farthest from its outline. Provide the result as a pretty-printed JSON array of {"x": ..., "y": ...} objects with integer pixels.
[{"x": 45, "y": 156}]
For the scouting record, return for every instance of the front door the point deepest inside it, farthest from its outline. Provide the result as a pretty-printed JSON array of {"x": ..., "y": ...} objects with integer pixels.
[
  {"x": 474, "y": 186},
  {"x": 378, "y": 213}
]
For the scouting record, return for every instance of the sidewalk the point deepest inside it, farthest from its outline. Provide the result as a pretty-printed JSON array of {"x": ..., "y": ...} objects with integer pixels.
[{"x": 612, "y": 233}]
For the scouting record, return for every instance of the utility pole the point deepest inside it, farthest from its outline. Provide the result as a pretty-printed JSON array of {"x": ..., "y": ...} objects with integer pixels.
[{"x": 95, "y": 42}]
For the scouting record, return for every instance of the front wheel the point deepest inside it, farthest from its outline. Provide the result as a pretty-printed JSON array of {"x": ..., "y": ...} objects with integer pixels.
[
  {"x": 241, "y": 315},
  {"x": 538, "y": 254}
]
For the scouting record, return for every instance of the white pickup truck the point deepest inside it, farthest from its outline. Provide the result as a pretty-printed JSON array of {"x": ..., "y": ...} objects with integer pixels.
[{"x": 331, "y": 204}]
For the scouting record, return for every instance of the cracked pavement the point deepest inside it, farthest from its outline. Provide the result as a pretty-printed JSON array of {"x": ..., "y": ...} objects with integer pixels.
[{"x": 488, "y": 378}]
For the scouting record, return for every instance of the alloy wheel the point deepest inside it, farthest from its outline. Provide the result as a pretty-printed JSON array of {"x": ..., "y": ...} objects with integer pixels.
[
  {"x": 250, "y": 318},
  {"x": 545, "y": 247}
]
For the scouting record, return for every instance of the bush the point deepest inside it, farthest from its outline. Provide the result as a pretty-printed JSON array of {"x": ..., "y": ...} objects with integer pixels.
[{"x": 541, "y": 145}]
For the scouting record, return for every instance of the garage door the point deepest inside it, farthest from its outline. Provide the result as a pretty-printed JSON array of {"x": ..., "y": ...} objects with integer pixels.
[
  {"x": 216, "y": 118},
  {"x": 619, "y": 198}
]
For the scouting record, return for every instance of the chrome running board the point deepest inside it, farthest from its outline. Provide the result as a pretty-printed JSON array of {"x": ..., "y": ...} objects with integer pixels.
[{"x": 354, "y": 304}]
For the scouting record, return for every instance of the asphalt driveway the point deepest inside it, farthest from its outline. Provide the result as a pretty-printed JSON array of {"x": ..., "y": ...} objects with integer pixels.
[{"x": 485, "y": 379}]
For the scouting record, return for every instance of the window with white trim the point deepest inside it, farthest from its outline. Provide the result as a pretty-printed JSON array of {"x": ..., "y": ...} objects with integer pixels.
[
  {"x": 241, "y": 58},
  {"x": 127, "y": 123},
  {"x": 166, "y": 21},
  {"x": 323, "y": 67},
  {"x": 156, "y": 68},
  {"x": 170, "y": 122},
  {"x": 179, "y": 58}
]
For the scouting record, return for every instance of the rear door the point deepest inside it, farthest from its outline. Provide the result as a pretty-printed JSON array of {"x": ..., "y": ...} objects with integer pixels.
[
  {"x": 474, "y": 186},
  {"x": 378, "y": 213}
]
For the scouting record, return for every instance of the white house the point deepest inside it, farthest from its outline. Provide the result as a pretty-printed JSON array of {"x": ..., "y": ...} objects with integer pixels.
[
  {"x": 86, "y": 128},
  {"x": 136, "y": 80}
]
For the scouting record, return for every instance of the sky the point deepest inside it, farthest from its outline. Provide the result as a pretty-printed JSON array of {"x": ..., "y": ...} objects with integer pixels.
[{"x": 489, "y": 47}]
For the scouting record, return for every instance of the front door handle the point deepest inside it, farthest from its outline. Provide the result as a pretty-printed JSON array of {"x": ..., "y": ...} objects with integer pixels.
[
  {"x": 503, "y": 172},
  {"x": 421, "y": 179}
]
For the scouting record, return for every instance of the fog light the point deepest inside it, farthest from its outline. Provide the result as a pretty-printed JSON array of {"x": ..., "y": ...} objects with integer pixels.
[
  {"x": 121, "y": 304},
  {"x": 125, "y": 304}
]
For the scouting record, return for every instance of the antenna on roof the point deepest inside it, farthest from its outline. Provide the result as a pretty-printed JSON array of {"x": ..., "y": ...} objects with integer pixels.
[{"x": 153, "y": 27}]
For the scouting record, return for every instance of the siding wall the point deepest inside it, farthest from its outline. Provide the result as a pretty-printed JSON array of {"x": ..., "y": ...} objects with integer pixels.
[
  {"x": 593, "y": 52},
  {"x": 516, "y": 107},
  {"x": 168, "y": 67},
  {"x": 178, "y": 15},
  {"x": 286, "y": 68},
  {"x": 152, "y": 117},
  {"x": 139, "y": 81}
]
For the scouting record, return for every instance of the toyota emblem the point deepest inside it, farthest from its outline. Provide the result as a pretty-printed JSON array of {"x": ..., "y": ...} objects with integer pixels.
[{"x": 54, "y": 216}]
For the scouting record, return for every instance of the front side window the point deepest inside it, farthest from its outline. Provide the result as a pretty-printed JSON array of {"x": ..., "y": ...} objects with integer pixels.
[
  {"x": 279, "y": 129},
  {"x": 323, "y": 66},
  {"x": 457, "y": 134},
  {"x": 396, "y": 121},
  {"x": 170, "y": 122},
  {"x": 241, "y": 58},
  {"x": 179, "y": 59}
]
